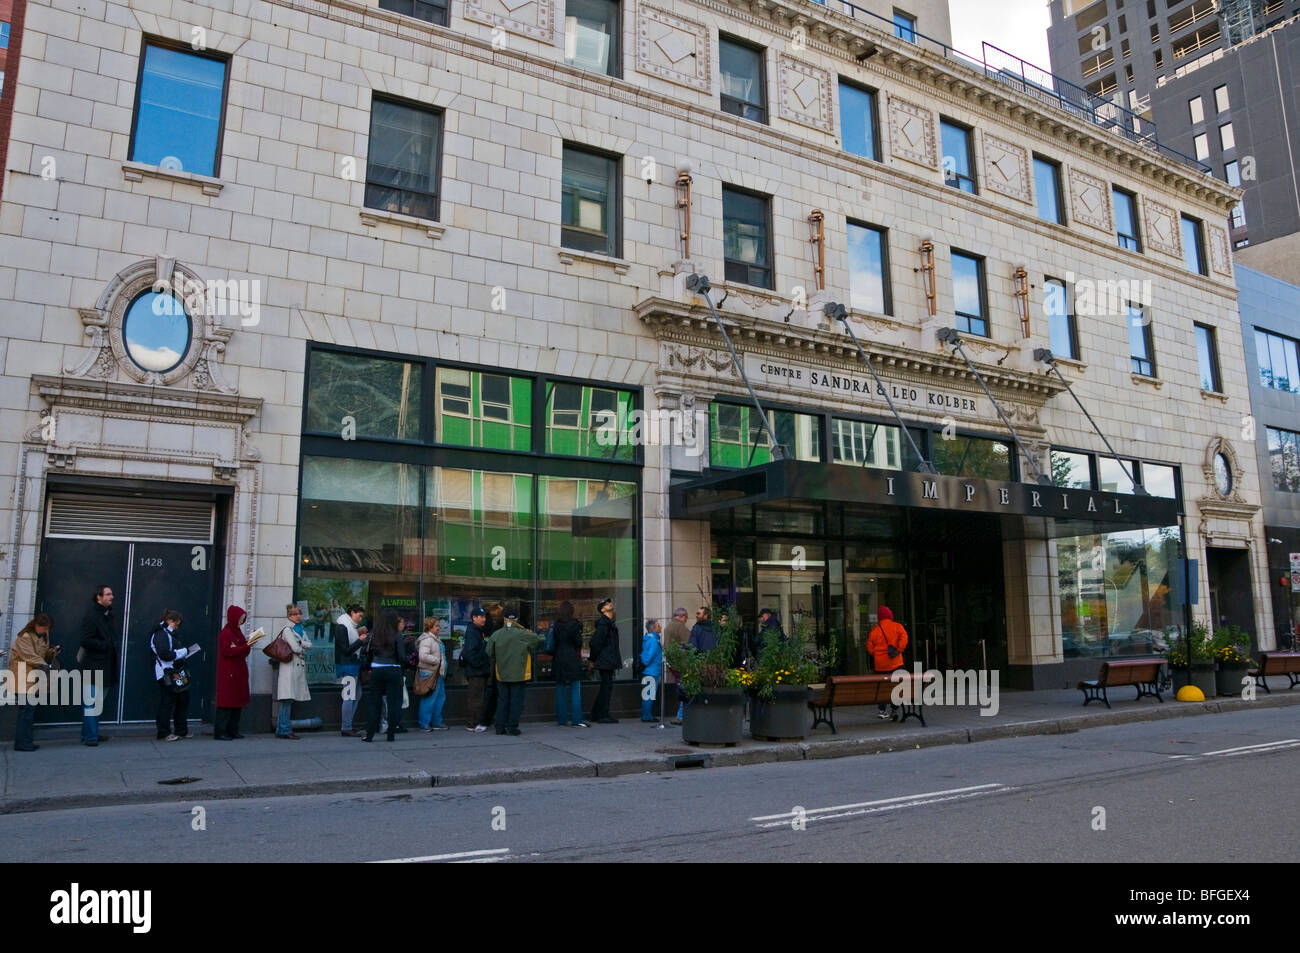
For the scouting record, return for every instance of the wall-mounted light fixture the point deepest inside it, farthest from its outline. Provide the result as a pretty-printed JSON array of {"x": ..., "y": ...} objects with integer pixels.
[
  {"x": 817, "y": 230},
  {"x": 1021, "y": 279},
  {"x": 683, "y": 186},
  {"x": 927, "y": 275}
]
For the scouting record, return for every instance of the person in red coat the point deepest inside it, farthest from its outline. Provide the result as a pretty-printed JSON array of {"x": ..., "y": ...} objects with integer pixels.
[{"x": 232, "y": 676}]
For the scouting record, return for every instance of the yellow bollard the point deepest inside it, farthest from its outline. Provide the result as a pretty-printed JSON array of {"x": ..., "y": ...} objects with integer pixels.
[{"x": 1190, "y": 693}]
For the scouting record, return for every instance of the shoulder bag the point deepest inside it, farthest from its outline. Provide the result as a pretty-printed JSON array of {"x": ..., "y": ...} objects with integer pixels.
[{"x": 279, "y": 651}]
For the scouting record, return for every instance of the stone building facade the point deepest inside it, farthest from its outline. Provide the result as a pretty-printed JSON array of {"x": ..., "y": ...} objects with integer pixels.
[{"x": 207, "y": 441}]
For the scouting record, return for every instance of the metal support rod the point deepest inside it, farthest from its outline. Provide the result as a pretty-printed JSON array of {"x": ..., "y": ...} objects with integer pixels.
[
  {"x": 950, "y": 336},
  {"x": 1045, "y": 356},
  {"x": 838, "y": 311},
  {"x": 700, "y": 285}
]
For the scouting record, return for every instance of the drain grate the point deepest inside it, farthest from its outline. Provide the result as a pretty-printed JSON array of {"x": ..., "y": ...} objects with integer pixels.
[{"x": 185, "y": 780}]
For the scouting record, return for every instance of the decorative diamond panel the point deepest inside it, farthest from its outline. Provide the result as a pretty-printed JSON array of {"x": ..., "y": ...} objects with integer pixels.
[
  {"x": 1163, "y": 232},
  {"x": 1220, "y": 259},
  {"x": 672, "y": 48},
  {"x": 535, "y": 18},
  {"x": 805, "y": 94},
  {"x": 1006, "y": 168},
  {"x": 1090, "y": 200},
  {"x": 911, "y": 133}
]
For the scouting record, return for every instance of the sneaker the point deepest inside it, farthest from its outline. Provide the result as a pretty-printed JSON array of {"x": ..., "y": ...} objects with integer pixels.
[
  {"x": 581, "y": 724},
  {"x": 883, "y": 715},
  {"x": 480, "y": 728},
  {"x": 470, "y": 728},
  {"x": 172, "y": 738},
  {"x": 439, "y": 728}
]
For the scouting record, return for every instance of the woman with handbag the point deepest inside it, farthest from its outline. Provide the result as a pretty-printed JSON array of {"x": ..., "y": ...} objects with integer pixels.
[
  {"x": 291, "y": 679},
  {"x": 431, "y": 676},
  {"x": 173, "y": 680},
  {"x": 232, "y": 676},
  {"x": 387, "y": 652}
]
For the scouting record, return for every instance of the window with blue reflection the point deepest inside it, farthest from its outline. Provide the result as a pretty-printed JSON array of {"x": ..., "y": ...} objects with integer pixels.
[
  {"x": 178, "y": 114},
  {"x": 957, "y": 162},
  {"x": 858, "y": 121},
  {"x": 1278, "y": 364},
  {"x": 868, "y": 285},
  {"x": 904, "y": 26},
  {"x": 968, "y": 294},
  {"x": 1047, "y": 189},
  {"x": 1060, "y": 323}
]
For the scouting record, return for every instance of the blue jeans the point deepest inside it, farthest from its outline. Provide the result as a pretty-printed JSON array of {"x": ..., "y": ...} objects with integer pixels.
[
  {"x": 350, "y": 704},
  {"x": 648, "y": 704},
  {"x": 284, "y": 724},
  {"x": 89, "y": 722},
  {"x": 568, "y": 703},
  {"x": 431, "y": 705}
]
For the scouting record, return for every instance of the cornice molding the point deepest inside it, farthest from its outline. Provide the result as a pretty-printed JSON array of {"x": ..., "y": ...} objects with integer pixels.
[{"x": 177, "y": 403}]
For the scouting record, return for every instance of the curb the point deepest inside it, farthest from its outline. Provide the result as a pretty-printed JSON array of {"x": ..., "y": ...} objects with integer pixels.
[{"x": 704, "y": 758}]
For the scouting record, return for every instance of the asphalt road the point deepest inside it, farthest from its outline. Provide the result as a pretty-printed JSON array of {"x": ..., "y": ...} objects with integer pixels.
[{"x": 1180, "y": 790}]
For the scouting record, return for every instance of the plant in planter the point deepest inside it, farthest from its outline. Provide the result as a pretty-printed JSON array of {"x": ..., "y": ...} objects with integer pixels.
[
  {"x": 1201, "y": 670},
  {"x": 1230, "y": 648},
  {"x": 715, "y": 709},
  {"x": 779, "y": 685}
]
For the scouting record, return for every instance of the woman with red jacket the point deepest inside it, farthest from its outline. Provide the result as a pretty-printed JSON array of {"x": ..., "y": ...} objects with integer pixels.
[
  {"x": 232, "y": 676},
  {"x": 886, "y": 643}
]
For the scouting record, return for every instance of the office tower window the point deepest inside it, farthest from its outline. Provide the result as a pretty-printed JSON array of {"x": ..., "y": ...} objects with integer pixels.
[
  {"x": 868, "y": 269},
  {"x": 1062, "y": 338},
  {"x": 1278, "y": 365},
  {"x": 179, "y": 110},
  {"x": 904, "y": 26},
  {"x": 741, "y": 67},
  {"x": 402, "y": 162},
  {"x": 1141, "y": 352},
  {"x": 591, "y": 34},
  {"x": 1126, "y": 219},
  {"x": 1047, "y": 189},
  {"x": 590, "y": 216},
  {"x": 968, "y": 293},
  {"x": 1196, "y": 107},
  {"x": 746, "y": 238},
  {"x": 1193, "y": 245},
  {"x": 858, "y": 130},
  {"x": 958, "y": 161}
]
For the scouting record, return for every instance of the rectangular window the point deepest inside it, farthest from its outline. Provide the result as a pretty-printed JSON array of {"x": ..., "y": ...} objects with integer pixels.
[
  {"x": 1159, "y": 480},
  {"x": 1238, "y": 217},
  {"x": 1284, "y": 459},
  {"x": 972, "y": 457},
  {"x": 858, "y": 131},
  {"x": 1047, "y": 189},
  {"x": 741, "y": 67},
  {"x": 351, "y": 396},
  {"x": 402, "y": 162},
  {"x": 1227, "y": 140},
  {"x": 860, "y": 443},
  {"x": 868, "y": 269},
  {"x": 737, "y": 437},
  {"x": 1232, "y": 173},
  {"x": 591, "y": 32},
  {"x": 1193, "y": 245},
  {"x": 4, "y": 35},
  {"x": 585, "y": 421},
  {"x": 1060, "y": 322},
  {"x": 1196, "y": 108},
  {"x": 1139, "y": 341},
  {"x": 431, "y": 11},
  {"x": 1126, "y": 219},
  {"x": 1201, "y": 143},
  {"x": 179, "y": 110},
  {"x": 746, "y": 242},
  {"x": 957, "y": 156},
  {"x": 479, "y": 409},
  {"x": 1207, "y": 358},
  {"x": 1111, "y": 475},
  {"x": 590, "y": 203},
  {"x": 1278, "y": 364},
  {"x": 1220, "y": 98},
  {"x": 1071, "y": 470},
  {"x": 968, "y": 293},
  {"x": 904, "y": 26}
]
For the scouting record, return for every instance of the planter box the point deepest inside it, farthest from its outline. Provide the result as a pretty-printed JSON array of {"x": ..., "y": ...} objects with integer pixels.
[
  {"x": 784, "y": 717},
  {"x": 1228, "y": 679},
  {"x": 1202, "y": 677},
  {"x": 715, "y": 717}
]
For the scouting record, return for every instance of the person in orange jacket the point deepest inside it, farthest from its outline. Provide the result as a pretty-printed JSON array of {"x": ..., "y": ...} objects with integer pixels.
[{"x": 886, "y": 642}]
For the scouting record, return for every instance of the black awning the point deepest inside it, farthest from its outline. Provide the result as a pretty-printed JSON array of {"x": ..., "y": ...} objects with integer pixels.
[{"x": 819, "y": 482}]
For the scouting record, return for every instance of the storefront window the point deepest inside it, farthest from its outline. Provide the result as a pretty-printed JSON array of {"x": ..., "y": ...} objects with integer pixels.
[
  {"x": 357, "y": 397},
  {"x": 359, "y": 541},
  {"x": 478, "y": 409},
  {"x": 1071, "y": 470},
  {"x": 1117, "y": 592},
  {"x": 737, "y": 437},
  {"x": 866, "y": 444},
  {"x": 595, "y": 422},
  {"x": 972, "y": 457}
]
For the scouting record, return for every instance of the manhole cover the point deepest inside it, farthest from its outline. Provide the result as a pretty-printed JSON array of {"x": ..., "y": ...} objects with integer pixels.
[{"x": 185, "y": 780}]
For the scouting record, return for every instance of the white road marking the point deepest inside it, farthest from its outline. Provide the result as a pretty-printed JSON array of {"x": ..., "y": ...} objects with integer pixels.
[
  {"x": 883, "y": 804},
  {"x": 1244, "y": 749},
  {"x": 464, "y": 857}
]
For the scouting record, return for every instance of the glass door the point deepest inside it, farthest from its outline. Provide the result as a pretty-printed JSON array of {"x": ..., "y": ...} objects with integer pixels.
[
  {"x": 864, "y": 594},
  {"x": 790, "y": 579}
]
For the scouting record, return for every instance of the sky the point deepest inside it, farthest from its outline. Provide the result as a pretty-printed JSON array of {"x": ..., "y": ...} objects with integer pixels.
[{"x": 1017, "y": 26}]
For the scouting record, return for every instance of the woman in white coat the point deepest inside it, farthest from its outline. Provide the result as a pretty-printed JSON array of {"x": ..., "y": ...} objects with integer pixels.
[{"x": 291, "y": 679}]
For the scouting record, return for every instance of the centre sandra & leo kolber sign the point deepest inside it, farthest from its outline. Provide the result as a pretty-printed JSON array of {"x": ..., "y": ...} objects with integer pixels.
[{"x": 819, "y": 382}]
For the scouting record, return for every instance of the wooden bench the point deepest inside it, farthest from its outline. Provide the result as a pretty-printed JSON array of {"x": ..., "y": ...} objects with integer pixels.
[
  {"x": 841, "y": 691},
  {"x": 1143, "y": 674},
  {"x": 1277, "y": 663}
]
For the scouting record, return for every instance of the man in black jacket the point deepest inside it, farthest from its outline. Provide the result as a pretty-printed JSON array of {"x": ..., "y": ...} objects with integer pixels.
[
  {"x": 607, "y": 659},
  {"x": 99, "y": 639},
  {"x": 481, "y": 697}
]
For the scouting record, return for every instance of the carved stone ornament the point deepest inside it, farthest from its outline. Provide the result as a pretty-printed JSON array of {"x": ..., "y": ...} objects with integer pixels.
[
  {"x": 109, "y": 359},
  {"x": 697, "y": 361},
  {"x": 805, "y": 93},
  {"x": 533, "y": 18},
  {"x": 673, "y": 48},
  {"x": 911, "y": 133},
  {"x": 1006, "y": 168},
  {"x": 1220, "y": 260},
  {"x": 1090, "y": 200},
  {"x": 1164, "y": 233},
  {"x": 1216, "y": 446}
]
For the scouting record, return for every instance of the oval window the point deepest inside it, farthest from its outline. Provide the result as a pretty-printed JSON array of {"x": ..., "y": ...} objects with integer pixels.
[{"x": 156, "y": 331}]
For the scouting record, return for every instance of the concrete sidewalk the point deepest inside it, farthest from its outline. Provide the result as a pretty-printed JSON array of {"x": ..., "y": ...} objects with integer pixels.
[{"x": 135, "y": 768}]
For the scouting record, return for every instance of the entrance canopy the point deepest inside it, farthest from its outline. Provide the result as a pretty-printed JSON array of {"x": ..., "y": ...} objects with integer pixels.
[{"x": 1074, "y": 512}]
